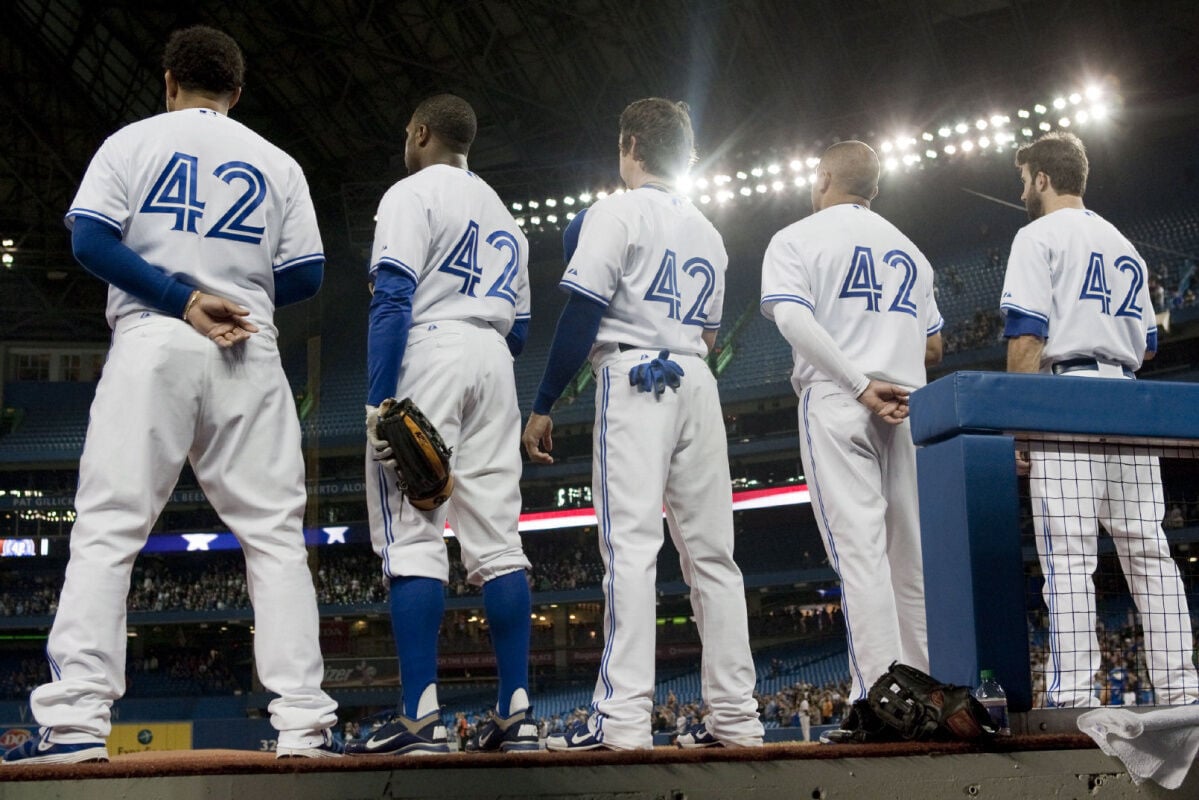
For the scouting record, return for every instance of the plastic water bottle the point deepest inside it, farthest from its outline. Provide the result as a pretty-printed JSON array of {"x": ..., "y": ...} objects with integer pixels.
[{"x": 994, "y": 699}]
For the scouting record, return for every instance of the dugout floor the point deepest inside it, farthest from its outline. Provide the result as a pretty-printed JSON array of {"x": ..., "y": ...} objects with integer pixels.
[{"x": 1035, "y": 766}]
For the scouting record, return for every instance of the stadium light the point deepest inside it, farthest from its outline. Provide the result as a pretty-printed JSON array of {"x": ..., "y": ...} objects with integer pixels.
[
  {"x": 535, "y": 220},
  {"x": 568, "y": 200},
  {"x": 517, "y": 207},
  {"x": 773, "y": 169},
  {"x": 967, "y": 146},
  {"x": 1045, "y": 126},
  {"x": 800, "y": 181},
  {"x": 1082, "y": 116},
  {"x": 1075, "y": 98},
  {"x": 777, "y": 186},
  {"x": 551, "y": 203},
  {"x": 998, "y": 120},
  {"x": 1023, "y": 113},
  {"x": 813, "y": 161},
  {"x": 756, "y": 172},
  {"x": 1026, "y": 131},
  {"x": 1039, "y": 108},
  {"x": 926, "y": 136},
  {"x": 944, "y": 133},
  {"x": 981, "y": 125},
  {"x": 570, "y": 215},
  {"x": 950, "y": 149},
  {"x": 760, "y": 188},
  {"x": 520, "y": 221},
  {"x": 984, "y": 142},
  {"x": 534, "y": 204},
  {"x": 746, "y": 191},
  {"x": 7, "y": 259},
  {"x": 741, "y": 176},
  {"x": 796, "y": 165},
  {"x": 1059, "y": 103},
  {"x": 600, "y": 195},
  {"x": 886, "y": 146},
  {"x": 1099, "y": 111},
  {"x": 1093, "y": 92},
  {"x": 705, "y": 199},
  {"x": 1064, "y": 122},
  {"x": 585, "y": 197},
  {"x": 961, "y": 127},
  {"x": 930, "y": 153}
]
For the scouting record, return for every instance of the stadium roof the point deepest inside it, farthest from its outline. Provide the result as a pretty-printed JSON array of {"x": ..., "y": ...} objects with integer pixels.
[{"x": 334, "y": 81}]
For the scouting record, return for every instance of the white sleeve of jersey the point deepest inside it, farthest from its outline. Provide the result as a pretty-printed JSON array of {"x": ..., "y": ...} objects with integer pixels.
[
  {"x": 598, "y": 262},
  {"x": 784, "y": 279},
  {"x": 813, "y": 344},
  {"x": 103, "y": 193},
  {"x": 521, "y": 284},
  {"x": 300, "y": 238},
  {"x": 934, "y": 322},
  {"x": 402, "y": 234},
  {"x": 1027, "y": 286}
]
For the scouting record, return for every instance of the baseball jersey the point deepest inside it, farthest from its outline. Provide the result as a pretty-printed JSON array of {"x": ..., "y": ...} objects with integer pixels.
[
  {"x": 866, "y": 283},
  {"x": 207, "y": 199},
  {"x": 1074, "y": 272},
  {"x": 656, "y": 264},
  {"x": 449, "y": 231}
]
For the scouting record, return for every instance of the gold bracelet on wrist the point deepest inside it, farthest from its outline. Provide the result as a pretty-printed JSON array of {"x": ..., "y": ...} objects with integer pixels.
[{"x": 191, "y": 301}]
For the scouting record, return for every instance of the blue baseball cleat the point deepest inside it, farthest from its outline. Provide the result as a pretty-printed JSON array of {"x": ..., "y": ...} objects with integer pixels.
[
  {"x": 401, "y": 736},
  {"x": 40, "y": 750}
]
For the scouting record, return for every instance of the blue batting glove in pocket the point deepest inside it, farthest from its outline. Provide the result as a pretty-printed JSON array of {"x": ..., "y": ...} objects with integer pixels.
[{"x": 656, "y": 375}]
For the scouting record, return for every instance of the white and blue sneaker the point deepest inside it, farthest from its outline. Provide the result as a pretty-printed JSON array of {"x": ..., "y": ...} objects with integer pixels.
[
  {"x": 400, "y": 736},
  {"x": 328, "y": 747},
  {"x": 697, "y": 736},
  {"x": 513, "y": 734},
  {"x": 578, "y": 736},
  {"x": 41, "y": 750}
]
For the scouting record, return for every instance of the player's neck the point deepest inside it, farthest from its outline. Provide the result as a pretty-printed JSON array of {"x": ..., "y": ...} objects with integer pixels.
[
  {"x": 448, "y": 159},
  {"x": 845, "y": 200},
  {"x": 1056, "y": 202},
  {"x": 185, "y": 100},
  {"x": 640, "y": 178}
]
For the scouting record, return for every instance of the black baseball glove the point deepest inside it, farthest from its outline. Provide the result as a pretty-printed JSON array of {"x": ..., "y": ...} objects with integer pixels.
[
  {"x": 420, "y": 457},
  {"x": 921, "y": 708}
]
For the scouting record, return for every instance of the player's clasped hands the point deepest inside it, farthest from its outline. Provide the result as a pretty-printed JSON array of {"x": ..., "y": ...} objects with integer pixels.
[
  {"x": 887, "y": 400},
  {"x": 221, "y": 320},
  {"x": 654, "y": 376}
]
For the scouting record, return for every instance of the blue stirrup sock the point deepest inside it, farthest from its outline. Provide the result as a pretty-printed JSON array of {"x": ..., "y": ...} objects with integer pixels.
[
  {"x": 508, "y": 605},
  {"x": 417, "y": 605}
]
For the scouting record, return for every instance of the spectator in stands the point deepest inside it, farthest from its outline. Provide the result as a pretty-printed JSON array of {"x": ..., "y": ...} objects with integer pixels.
[{"x": 1174, "y": 518}]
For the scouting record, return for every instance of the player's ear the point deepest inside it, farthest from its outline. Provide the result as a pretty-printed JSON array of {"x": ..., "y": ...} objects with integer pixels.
[
  {"x": 234, "y": 96},
  {"x": 172, "y": 88}
]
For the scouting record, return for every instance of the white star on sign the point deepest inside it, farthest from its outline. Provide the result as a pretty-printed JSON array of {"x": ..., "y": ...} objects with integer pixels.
[
  {"x": 199, "y": 541},
  {"x": 336, "y": 535}
]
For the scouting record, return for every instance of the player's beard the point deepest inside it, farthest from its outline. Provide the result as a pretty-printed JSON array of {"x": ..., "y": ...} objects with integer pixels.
[{"x": 1034, "y": 206}]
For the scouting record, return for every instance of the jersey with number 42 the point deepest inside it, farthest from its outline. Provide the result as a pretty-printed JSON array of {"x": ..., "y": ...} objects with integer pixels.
[
  {"x": 1074, "y": 272},
  {"x": 658, "y": 266},
  {"x": 449, "y": 231},
  {"x": 205, "y": 198},
  {"x": 866, "y": 284}
]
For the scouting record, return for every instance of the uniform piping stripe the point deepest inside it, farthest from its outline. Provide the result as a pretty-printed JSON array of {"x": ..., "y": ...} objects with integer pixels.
[
  {"x": 96, "y": 215},
  {"x": 385, "y": 507},
  {"x": 853, "y": 656},
  {"x": 1050, "y": 581},
  {"x": 524, "y": 316},
  {"x": 936, "y": 327},
  {"x": 299, "y": 260},
  {"x": 786, "y": 298},
  {"x": 57, "y": 670},
  {"x": 606, "y": 529},
  {"x": 400, "y": 265},
  {"x": 574, "y": 287},
  {"x": 1025, "y": 311}
]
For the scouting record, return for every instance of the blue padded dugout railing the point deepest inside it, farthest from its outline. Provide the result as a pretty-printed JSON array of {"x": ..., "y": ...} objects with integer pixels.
[{"x": 966, "y": 425}]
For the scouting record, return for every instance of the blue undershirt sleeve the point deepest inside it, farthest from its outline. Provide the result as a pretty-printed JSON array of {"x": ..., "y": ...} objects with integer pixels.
[
  {"x": 576, "y": 332},
  {"x": 1151, "y": 341},
  {"x": 98, "y": 247},
  {"x": 298, "y": 283},
  {"x": 570, "y": 236},
  {"x": 517, "y": 337},
  {"x": 1018, "y": 324},
  {"x": 387, "y": 331}
]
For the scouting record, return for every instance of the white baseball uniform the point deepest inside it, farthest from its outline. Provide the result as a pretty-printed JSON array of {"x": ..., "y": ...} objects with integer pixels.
[
  {"x": 449, "y": 231},
  {"x": 224, "y": 209},
  {"x": 871, "y": 289},
  {"x": 1076, "y": 275},
  {"x": 658, "y": 266}
]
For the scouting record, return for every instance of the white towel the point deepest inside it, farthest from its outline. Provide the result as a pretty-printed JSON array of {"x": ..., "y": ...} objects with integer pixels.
[{"x": 1159, "y": 744}]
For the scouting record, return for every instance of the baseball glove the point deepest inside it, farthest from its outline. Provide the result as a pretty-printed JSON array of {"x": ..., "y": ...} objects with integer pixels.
[
  {"x": 921, "y": 708},
  {"x": 422, "y": 460}
]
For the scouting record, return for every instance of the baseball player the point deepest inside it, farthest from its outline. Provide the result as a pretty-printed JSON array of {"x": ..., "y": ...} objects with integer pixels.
[
  {"x": 201, "y": 227},
  {"x": 449, "y": 313},
  {"x": 854, "y": 298},
  {"x": 1077, "y": 302},
  {"x": 646, "y": 288}
]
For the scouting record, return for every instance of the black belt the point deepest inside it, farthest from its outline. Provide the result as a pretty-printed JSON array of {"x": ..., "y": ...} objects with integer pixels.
[
  {"x": 624, "y": 348},
  {"x": 1085, "y": 364}
]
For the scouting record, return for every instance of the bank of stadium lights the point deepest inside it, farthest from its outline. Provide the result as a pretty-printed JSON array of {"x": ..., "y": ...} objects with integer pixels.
[{"x": 970, "y": 136}]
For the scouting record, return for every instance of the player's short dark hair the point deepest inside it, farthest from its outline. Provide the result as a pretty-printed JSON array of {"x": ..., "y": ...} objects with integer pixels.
[
  {"x": 665, "y": 141},
  {"x": 204, "y": 59},
  {"x": 1062, "y": 157},
  {"x": 451, "y": 119}
]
